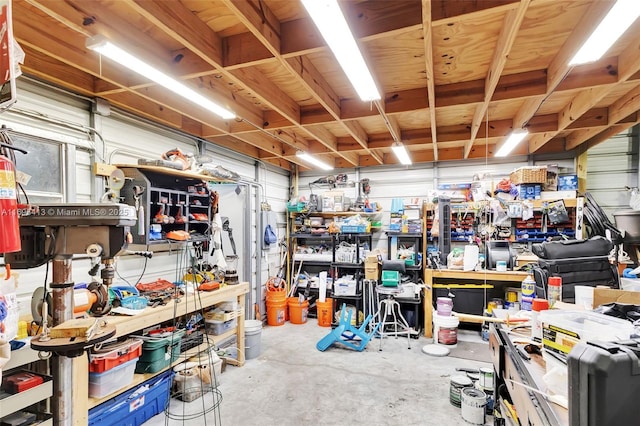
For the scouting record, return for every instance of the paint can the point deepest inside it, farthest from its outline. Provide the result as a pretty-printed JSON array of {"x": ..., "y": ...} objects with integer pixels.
[
  {"x": 486, "y": 379},
  {"x": 444, "y": 306},
  {"x": 472, "y": 405},
  {"x": 445, "y": 330},
  {"x": 456, "y": 385},
  {"x": 512, "y": 295}
]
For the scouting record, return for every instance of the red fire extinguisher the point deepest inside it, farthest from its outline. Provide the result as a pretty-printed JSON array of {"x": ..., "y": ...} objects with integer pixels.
[{"x": 9, "y": 227}]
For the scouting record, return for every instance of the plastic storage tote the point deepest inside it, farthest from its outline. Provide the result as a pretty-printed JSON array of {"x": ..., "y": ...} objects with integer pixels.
[
  {"x": 158, "y": 353},
  {"x": 114, "y": 354},
  {"x": 102, "y": 384},
  {"x": 135, "y": 406}
]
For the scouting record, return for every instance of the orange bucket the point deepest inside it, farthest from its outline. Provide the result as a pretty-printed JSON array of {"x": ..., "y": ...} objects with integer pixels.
[
  {"x": 298, "y": 311},
  {"x": 276, "y": 302},
  {"x": 276, "y": 295},
  {"x": 325, "y": 312},
  {"x": 275, "y": 312}
]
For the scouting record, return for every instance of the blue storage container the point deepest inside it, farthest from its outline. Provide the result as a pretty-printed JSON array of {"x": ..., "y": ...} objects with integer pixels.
[{"x": 135, "y": 406}]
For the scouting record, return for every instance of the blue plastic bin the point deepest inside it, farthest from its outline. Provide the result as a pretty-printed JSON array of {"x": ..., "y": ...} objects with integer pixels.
[{"x": 135, "y": 406}]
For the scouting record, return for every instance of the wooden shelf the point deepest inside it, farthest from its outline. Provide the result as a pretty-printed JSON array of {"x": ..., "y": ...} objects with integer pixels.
[
  {"x": 18, "y": 401},
  {"x": 174, "y": 172},
  {"x": 332, "y": 214},
  {"x": 140, "y": 378},
  {"x": 188, "y": 304},
  {"x": 151, "y": 316}
]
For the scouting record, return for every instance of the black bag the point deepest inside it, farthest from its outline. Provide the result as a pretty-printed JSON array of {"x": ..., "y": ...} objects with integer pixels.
[
  {"x": 595, "y": 246},
  {"x": 589, "y": 271},
  {"x": 577, "y": 262}
]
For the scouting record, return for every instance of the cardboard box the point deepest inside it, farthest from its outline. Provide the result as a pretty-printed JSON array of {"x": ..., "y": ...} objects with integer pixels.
[
  {"x": 529, "y": 191},
  {"x": 371, "y": 271},
  {"x": 602, "y": 296},
  {"x": 371, "y": 259},
  {"x": 567, "y": 182}
]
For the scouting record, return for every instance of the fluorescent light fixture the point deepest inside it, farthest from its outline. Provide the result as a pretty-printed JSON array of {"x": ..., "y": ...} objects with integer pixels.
[
  {"x": 512, "y": 141},
  {"x": 615, "y": 23},
  {"x": 401, "y": 152},
  {"x": 113, "y": 52},
  {"x": 333, "y": 26},
  {"x": 313, "y": 160}
]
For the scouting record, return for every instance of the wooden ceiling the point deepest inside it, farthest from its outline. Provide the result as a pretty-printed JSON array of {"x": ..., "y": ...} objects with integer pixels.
[{"x": 456, "y": 75}]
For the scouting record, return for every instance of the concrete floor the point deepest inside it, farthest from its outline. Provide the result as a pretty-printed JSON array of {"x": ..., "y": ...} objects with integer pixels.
[{"x": 292, "y": 383}]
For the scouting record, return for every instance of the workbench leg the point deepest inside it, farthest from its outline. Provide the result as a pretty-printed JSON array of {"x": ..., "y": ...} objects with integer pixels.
[
  {"x": 80, "y": 368},
  {"x": 427, "y": 300},
  {"x": 240, "y": 330}
]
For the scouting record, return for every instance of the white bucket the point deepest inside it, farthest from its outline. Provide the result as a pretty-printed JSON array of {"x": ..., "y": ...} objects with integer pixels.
[
  {"x": 252, "y": 337},
  {"x": 445, "y": 330},
  {"x": 472, "y": 408}
]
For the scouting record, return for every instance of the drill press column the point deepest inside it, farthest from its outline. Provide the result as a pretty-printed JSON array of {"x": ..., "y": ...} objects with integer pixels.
[{"x": 61, "y": 366}]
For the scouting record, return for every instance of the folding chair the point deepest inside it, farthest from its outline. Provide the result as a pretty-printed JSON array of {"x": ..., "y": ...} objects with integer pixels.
[{"x": 346, "y": 334}]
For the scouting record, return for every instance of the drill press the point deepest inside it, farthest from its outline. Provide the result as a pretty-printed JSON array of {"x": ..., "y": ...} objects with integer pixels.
[{"x": 55, "y": 233}]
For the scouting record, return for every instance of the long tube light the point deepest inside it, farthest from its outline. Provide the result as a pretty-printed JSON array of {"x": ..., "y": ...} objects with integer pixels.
[
  {"x": 116, "y": 54},
  {"x": 313, "y": 160},
  {"x": 401, "y": 153},
  {"x": 615, "y": 23},
  {"x": 512, "y": 141},
  {"x": 331, "y": 23}
]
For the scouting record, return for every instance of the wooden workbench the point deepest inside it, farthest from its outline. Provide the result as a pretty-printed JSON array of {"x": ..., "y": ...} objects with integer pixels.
[
  {"x": 431, "y": 278},
  {"x": 513, "y": 371},
  {"x": 150, "y": 317}
]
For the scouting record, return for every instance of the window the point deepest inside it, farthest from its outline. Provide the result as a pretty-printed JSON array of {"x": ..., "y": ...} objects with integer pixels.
[{"x": 45, "y": 164}]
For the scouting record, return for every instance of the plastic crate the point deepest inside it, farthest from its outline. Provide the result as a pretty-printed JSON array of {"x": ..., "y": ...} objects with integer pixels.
[
  {"x": 354, "y": 229},
  {"x": 390, "y": 278},
  {"x": 135, "y": 406},
  {"x": 114, "y": 354},
  {"x": 296, "y": 208},
  {"x": 154, "y": 349},
  {"x": 102, "y": 384}
]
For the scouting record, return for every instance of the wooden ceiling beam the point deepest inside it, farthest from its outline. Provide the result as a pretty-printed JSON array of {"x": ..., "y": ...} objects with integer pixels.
[
  {"x": 618, "y": 111},
  {"x": 236, "y": 145},
  {"x": 629, "y": 65},
  {"x": 559, "y": 66},
  {"x": 609, "y": 133},
  {"x": 594, "y": 117},
  {"x": 50, "y": 69},
  {"x": 367, "y": 20},
  {"x": 427, "y": 34},
  {"x": 446, "y": 11},
  {"x": 182, "y": 25},
  {"x": 510, "y": 27},
  {"x": 264, "y": 25},
  {"x": 89, "y": 19},
  {"x": 113, "y": 74},
  {"x": 244, "y": 50},
  {"x": 144, "y": 102}
]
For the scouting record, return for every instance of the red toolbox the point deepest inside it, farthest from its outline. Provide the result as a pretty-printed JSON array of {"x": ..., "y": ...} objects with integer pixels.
[
  {"x": 21, "y": 381},
  {"x": 114, "y": 354}
]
